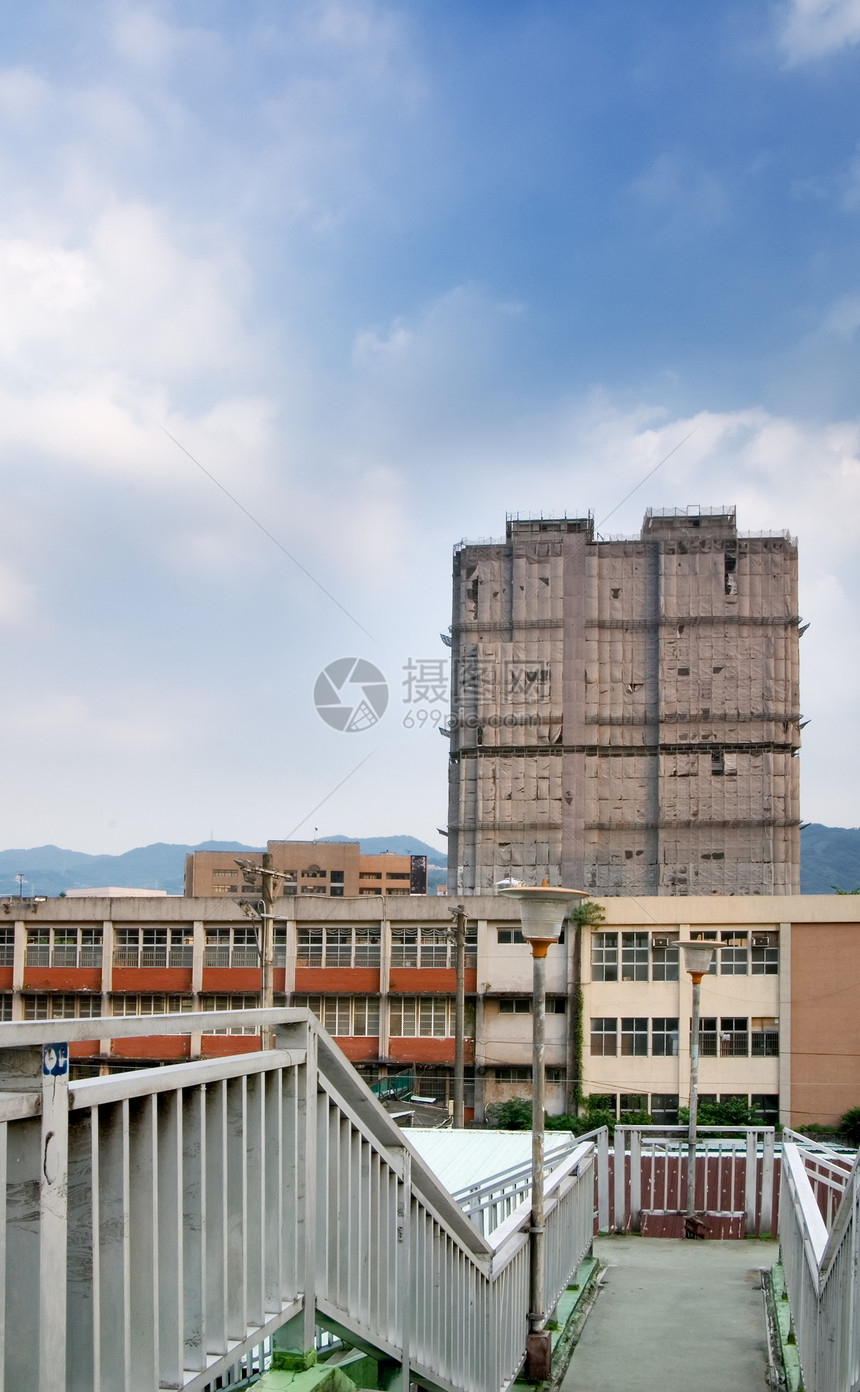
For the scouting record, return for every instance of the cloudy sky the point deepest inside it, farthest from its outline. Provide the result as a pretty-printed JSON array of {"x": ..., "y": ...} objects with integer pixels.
[{"x": 294, "y": 294}]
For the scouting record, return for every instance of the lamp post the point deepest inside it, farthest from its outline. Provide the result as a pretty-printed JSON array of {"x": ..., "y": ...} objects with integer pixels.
[
  {"x": 542, "y": 914},
  {"x": 697, "y": 960}
]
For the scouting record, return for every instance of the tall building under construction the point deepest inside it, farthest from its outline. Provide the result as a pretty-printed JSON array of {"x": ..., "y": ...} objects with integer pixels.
[{"x": 625, "y": 713}]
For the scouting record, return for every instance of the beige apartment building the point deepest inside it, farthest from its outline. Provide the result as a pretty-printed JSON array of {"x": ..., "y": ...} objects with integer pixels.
[
  {"x": 780, "y": 1025},
  {"x": 336, "y": 869},
  {"x": 625, "y": 713}
]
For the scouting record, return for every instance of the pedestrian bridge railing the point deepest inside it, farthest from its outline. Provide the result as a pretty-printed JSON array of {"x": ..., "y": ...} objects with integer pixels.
[
  {"x": 158, "y": 1225},
  {"x": 736, "y": 1180},
  {"x": 819, "y": 1234},
  {"x": 490, "y": 1201}
]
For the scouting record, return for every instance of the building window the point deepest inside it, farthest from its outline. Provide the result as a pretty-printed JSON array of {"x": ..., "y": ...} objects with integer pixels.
[
  {"x": 509, "y": 935},
  {"x": 556, "y": 1005},
  {"x": 734, "y": 954},
  {"x": 634, "y": 956},
  {"x": 231, "y": 947},
  {"x": 246, "y": 1002},
  {"x": 664, "y": 959},
  {"x": 556, "y": 1075},
  {"x": 630, "y": 1102},
  {"x": 153, "y": 947},
  {"x": 764, "y": 1038},
  {"x": 767, "y": 1106},
  {"x": 425, "y": 1016},
  {"x": 734, "y": 1037},
  {"x": 280, "y": 946},
  {"x": 515, "y": 1005},
  {"x": 664, "y": 1108},
  {"x": 63, "y": 947},
  {"x": 338, "y": 947},
  {"x": 152, "y": 1004},
  {"x": 664, "y": 1037},
  {"x": 604, "y": 1037},
  {"x": 5, "y": 1006},
  {"x": 7, "y": 947},
  {"x": 765, "y": 954},
  {"x": 344, "y": 1016},
  {"x": 708, "y": 1036},
  {"x": 604, "y": 956},
  {"x": 404, "y": 947},
  {"x": 520, "y": 1074},
  {"x": 634, "y": 1036},
  {"x": 60, "y": 1005}
]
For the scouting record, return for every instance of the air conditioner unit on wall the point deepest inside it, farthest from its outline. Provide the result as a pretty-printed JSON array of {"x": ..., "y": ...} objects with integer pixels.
[
  {"x": 761, "y": 940},
  {"x": 661, "y": 942}
]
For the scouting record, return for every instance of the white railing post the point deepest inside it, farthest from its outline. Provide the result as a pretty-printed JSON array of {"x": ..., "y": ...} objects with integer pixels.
[
  {"x": 603, "y": 1179},
  {"x": 53, "y": 1217},
  {"x": 767, "y": 1183},
  {"x": 751, "y": 1183},
  {"x": 635, "y": 1179},
  {"x": 619, "y": 1148},
  {"x": 308, "y": 1123},
  {"x": 404, "y": 1279}
]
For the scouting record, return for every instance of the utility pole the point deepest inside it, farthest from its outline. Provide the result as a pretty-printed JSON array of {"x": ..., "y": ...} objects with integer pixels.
[
  {"x": 459, "y": 915},
  {"x": 266, "y": 945}
]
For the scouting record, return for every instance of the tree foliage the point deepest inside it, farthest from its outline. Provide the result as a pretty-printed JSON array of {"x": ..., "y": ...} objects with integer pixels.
[{"x": 513, "y": 1115}]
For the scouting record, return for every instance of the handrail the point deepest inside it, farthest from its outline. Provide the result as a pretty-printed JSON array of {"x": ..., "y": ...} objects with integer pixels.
[{"x": 185, "y": 1214}]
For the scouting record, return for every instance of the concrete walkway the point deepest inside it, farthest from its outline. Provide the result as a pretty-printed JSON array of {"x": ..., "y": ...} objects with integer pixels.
[{"x": 675, "y": 1316}]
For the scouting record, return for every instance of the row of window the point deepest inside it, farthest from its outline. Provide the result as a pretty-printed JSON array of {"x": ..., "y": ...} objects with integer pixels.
[
  {"x": 663, "y": 1107},
  {"x": 655, "y": 957},
  {"x": 632, "y": 956},
  {"x": 238, "y": 947},
  {"x": 59, "y": 1005},
  {"x": 727, "y": 1037},
  {"x": 409, "y": 1016}
]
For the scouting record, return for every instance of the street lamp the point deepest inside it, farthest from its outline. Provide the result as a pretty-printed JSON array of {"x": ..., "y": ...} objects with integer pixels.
[
  {"x": 542, "y": 914},
  {"x": 697, "y": 960}
]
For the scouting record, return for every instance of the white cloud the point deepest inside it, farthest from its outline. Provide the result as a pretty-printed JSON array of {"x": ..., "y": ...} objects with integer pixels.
[{"x": 810, "y": 29}]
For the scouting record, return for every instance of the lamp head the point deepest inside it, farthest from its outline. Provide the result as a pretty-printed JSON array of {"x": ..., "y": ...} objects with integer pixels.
[
  {"x": 543, "y": 909},
  {"x": 698, "y": 957}
]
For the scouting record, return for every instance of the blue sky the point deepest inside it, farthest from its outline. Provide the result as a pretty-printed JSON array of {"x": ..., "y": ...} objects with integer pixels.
[{"x": 389, "y": 271}]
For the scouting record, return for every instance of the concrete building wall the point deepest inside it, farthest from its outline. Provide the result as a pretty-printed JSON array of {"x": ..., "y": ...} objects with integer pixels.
[
  {"x": 625, "y": 714},
  {"x": 825, "y": 1021}
]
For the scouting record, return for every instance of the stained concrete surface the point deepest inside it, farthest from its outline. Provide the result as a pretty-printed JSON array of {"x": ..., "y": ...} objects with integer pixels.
[{"x": 675, "y": 1316}]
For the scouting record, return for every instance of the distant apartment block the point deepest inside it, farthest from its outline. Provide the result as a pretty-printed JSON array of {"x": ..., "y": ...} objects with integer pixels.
[
  {"x": 336, "y": 869},
  {"x": 779, "y": 1026},
  {"x": 625, "y": 713}
]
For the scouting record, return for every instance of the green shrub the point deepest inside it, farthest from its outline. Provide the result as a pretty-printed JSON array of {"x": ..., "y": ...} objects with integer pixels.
[
  {"x": 849, "y": 1126},
  {"x": 513, "y": 1115}
]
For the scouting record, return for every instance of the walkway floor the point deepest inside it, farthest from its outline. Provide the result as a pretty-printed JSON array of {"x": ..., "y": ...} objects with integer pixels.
[{"x": 675, "y": 1315}]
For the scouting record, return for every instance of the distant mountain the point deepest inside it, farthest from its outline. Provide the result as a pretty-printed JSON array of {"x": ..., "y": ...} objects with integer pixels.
[
  {"x": 50, "y": 869},
  {"x": 402, "y": 845},
  {"x": 829, "y": 856}
]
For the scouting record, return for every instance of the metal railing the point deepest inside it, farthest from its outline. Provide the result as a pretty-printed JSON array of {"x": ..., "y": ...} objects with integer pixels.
[
  {"x": 490, "y": 1201},
  {"x": 735, "y": 1175},
  {"x": 162, "y": 1224},
  {"x": 820, "y": 1261},
  {"x": 130, "y": 956}
]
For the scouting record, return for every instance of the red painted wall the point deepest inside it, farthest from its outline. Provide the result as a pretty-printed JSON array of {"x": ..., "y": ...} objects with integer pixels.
[
  {"x": 359, "y": 1050},
  {"x": 349, "y": 981},
  {"x": 430, "y": 980},
  {"x": 155, "y": 1046},
  {"x": 232, "y": 980},
  {"x": 62, "y": 979},
  {"x": 147, "y": 979}
]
